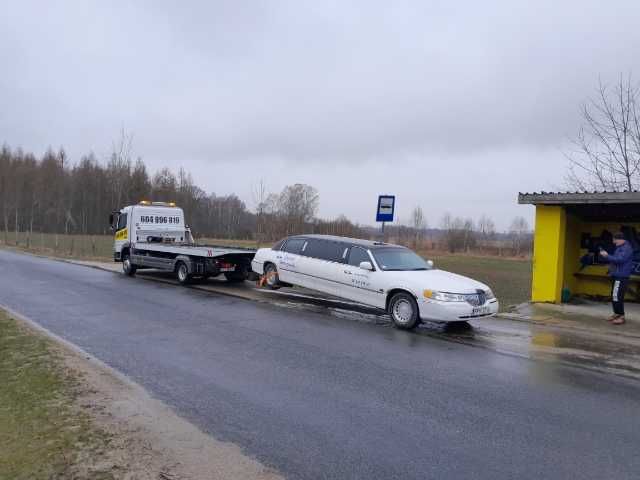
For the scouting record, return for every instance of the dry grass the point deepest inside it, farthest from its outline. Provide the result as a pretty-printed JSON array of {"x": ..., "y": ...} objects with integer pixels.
[
  {"x": 42, "y": 434},
  {"x": 510, "y": 279}
]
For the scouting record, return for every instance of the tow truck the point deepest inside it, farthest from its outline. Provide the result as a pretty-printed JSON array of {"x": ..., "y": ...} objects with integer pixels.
[{"x": 153, "y": 235}]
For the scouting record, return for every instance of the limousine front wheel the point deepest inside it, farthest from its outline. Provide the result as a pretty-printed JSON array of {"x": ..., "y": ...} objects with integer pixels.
[
  {"x": 403, "y": 309},
  {"x": 271, "y": 276}
]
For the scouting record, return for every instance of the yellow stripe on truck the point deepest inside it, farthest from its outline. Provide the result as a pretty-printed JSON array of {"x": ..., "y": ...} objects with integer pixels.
[{"x": 122, "y": 234}]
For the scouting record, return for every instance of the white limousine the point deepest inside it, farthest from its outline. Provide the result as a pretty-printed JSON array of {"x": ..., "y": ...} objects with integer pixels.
[{"x": 380, "y": 275}]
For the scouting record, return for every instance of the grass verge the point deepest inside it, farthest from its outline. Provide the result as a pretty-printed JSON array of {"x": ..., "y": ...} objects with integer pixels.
[{"x": 43, "y": 435}]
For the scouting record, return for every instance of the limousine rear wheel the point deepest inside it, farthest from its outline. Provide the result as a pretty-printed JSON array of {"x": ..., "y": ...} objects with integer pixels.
[
  {"x": 271, "y": 276},
  {"x": 403, "y": 309}
]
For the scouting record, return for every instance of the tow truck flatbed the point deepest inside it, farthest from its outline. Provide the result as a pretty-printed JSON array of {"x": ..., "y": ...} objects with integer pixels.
[{"x": 208, "y": 251}]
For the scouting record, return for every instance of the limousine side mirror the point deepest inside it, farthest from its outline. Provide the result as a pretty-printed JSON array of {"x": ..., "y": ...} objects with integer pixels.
[
  {"x": 430, "y": 264},
  {"x": 366, "y": 266}
]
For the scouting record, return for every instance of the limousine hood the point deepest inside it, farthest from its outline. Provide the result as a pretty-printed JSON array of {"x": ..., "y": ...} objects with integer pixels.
[{"x": 439, "y": 280}]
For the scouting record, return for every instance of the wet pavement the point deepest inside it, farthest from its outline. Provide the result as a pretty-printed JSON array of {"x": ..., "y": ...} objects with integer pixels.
[
  {"x": 319, "y": 388},
  {"x": 577, "y": 335}
]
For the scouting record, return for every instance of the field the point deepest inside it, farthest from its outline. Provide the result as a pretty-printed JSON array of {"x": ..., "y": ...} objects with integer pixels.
[{"x": 509, "y": 278}]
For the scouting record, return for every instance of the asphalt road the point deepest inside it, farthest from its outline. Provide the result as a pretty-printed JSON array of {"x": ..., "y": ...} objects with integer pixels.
[{"x": 319, "y": 397}]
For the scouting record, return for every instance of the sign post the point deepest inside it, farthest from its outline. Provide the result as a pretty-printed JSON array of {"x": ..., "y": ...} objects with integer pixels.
[{"x": 386, "y": 208}]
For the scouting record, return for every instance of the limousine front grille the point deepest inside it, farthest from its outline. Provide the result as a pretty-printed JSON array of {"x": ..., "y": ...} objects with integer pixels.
[{"x": 476, "y": 299}]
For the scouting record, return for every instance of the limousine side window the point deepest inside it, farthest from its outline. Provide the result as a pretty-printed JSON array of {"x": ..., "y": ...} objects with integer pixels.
[
  {"x": 358, "y": 255},
  {"x": 294, "y": 245},
  {"x": 324, "y": 250}
]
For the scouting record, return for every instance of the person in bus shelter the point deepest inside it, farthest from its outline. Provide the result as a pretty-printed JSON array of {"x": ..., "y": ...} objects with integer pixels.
[{"x": 620, "y": 267}]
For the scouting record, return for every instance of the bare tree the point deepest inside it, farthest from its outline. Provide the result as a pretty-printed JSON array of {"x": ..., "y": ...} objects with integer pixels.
[
  {"x": 520, "y": 235},
  {"x": 419, "y": 225},
  {"x": 164, "y": 186},
  {"x": 453, "y": 232},
  {"x": 469, "y": 238},
  {"x": 6, "y": 175},
  {"x": 119, "y": 168},
  {"x": 486, "y": 228},
  {"x": 140, "y": 185},
  {"x": 607, "y": 148},
  {"x": 298, "y": 204},
  {"x": 259, "y": 194}
]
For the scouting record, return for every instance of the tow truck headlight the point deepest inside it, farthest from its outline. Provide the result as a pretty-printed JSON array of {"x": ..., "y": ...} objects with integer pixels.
[{"x": 443, "y": 296}]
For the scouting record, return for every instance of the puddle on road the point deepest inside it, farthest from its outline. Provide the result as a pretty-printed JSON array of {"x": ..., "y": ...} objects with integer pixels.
[
  {"x": 522, "y": 339},
  {"x": 548, "y": 343}
]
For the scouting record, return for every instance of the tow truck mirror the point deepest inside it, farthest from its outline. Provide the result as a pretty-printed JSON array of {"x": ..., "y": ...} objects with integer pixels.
[
  {"x": 366, "y": 266},
  {"x": 111, "y": 221}
]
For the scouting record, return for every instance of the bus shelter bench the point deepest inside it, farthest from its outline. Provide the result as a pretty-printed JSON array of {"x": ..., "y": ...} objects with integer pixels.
[{"x": 634, "y": 282}]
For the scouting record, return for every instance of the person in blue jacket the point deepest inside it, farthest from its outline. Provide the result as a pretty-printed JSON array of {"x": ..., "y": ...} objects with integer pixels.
[{"x": 620, "y": 268}]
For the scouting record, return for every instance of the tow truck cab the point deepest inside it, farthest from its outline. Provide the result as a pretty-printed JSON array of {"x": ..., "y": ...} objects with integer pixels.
[{"x": 148, "y": 222}]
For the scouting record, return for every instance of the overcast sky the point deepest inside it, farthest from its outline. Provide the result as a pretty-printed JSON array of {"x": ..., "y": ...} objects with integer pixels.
[{"x": 454, "y": 106}]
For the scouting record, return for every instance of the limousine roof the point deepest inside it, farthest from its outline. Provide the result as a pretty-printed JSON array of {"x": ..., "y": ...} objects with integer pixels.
[{"x": 370, "y": 244}]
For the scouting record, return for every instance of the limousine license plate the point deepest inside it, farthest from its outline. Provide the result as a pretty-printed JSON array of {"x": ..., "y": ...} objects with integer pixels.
[{"x": 484, "y": 310}]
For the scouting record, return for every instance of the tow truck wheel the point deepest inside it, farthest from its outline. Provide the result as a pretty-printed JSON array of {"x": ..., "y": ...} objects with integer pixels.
[
  {"x": 182, "y": 273},
  {"x": 127, "y": 267},
  {"x": 271, "y": 276},
  {"x": 403, "y": 309}
]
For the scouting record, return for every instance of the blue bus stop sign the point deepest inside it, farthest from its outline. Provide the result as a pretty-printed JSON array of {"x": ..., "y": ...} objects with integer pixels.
[{"x": 386, "y": 206}]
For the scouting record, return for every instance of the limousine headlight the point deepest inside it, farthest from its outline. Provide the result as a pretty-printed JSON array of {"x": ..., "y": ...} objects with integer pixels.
[
  {"x": 489, "y": 294},
  {"x": 443, "y": 296}
]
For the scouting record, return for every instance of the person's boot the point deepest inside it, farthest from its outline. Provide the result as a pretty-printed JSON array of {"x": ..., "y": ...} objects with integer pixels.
[
  {"x": 613, "y": 317},
  {"x": 619, "y": 321}
]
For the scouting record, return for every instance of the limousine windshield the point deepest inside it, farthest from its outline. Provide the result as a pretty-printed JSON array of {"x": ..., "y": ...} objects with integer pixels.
[{"x": 399, "y": 259}]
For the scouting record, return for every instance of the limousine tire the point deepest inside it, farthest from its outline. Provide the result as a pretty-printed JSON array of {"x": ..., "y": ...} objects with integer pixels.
[
  {"x": 271, "y": 275},
  {"x": 403, "y": 309}
]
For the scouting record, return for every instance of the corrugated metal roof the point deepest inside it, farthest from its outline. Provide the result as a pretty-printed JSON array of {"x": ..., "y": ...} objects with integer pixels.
[{"x": 579, "y": 198}]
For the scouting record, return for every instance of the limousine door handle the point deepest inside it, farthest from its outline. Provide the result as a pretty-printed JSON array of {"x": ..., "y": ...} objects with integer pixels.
[{"x": 348, "y": 272}]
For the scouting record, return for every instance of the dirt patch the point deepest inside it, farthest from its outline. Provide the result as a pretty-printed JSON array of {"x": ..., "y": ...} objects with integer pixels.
[{"x": 140, "y": 437}]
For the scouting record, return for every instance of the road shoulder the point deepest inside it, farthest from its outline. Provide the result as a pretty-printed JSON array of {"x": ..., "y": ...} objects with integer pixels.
[{"x": 145, "y": 439}]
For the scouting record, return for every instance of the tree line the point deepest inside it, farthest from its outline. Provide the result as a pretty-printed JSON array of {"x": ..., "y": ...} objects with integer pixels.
[
  {"x": 464, "y": 235},
  {"x": 51, "y": 194}
]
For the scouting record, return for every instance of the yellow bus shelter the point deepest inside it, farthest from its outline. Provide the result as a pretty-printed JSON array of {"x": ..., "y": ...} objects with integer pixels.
[{"x": 569, "y": 230}]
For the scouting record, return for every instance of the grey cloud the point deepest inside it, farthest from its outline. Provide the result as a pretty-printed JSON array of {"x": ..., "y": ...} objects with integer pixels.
[{"x": 316, "y": 82}]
